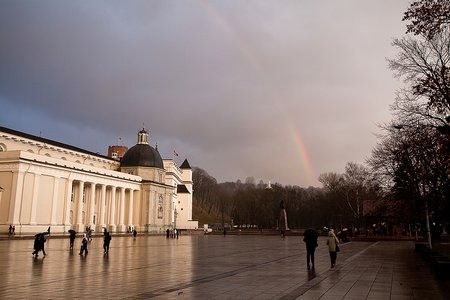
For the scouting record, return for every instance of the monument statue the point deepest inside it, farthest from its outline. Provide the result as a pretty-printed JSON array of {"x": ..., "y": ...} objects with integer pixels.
[{"x": 283, "y": 219}]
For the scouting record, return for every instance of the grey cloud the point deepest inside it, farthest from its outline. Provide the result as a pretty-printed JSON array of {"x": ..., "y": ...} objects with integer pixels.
[{"x": 224, "y": 82}]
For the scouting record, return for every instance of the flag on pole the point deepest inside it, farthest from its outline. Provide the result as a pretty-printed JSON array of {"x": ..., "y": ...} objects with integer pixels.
[{"x": 175, "y": 152}]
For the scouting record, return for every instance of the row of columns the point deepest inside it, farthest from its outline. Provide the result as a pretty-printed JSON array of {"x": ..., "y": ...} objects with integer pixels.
[
  {"x": 66, "y": 208},
  {"x": 29, "y": 195},
  {"x": 105, "y": 207}
]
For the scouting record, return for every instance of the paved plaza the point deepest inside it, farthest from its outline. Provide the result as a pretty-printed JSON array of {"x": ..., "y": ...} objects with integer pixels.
[{"x": 215, "y": 267}]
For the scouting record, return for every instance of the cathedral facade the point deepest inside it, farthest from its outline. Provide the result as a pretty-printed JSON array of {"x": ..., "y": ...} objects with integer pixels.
[{"x": 46, "y": 183}]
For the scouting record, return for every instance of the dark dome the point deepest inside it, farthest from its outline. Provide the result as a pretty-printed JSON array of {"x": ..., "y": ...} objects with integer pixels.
[{"x": 142, "y": 155}]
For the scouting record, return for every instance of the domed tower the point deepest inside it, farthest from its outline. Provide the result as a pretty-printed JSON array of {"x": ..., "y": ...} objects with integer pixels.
[{"x": 143, "y": 160}]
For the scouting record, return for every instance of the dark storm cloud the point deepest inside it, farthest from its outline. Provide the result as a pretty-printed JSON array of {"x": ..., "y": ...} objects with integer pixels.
[{"x": 227, "y": 83}]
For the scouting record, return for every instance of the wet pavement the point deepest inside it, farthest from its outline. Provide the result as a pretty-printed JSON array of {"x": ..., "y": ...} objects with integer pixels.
[{"x": 215, "y": 267}]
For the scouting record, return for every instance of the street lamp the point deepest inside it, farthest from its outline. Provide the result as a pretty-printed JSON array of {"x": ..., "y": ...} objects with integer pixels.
[{"x": 428, "y": 224}]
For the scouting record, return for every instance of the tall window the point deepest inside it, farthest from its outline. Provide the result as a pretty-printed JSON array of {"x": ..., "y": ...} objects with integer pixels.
[{"x": 72, "y": 195}]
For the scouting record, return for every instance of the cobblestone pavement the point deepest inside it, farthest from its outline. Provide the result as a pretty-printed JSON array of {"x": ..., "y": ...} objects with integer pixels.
[{"x": 215, "y": 267}]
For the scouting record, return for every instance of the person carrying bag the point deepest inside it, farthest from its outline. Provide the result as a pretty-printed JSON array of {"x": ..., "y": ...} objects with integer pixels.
[{"x": 333, "y": 247}]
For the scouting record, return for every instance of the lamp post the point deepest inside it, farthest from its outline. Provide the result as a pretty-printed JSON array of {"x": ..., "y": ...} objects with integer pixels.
[{"x": 428, "y": 224}]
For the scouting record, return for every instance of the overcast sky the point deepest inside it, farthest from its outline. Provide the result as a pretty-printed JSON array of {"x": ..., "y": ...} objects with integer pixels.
[{"x": 279, "y": 90}]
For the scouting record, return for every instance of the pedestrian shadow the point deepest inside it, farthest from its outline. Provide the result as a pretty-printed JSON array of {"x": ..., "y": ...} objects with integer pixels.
[
  {"x": 105, "y": 262},
  {"x": 311, "y": 274},
  {"x": 37, "y": 266}
]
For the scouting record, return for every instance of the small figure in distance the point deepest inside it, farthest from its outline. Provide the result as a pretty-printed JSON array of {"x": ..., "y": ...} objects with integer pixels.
[
  {"x": 134, "y": 233},
  {"x": 84, "y": 245},
  {"x": 72, "y": 237},
  {"x": 39, "y": 242},
  {"x": 310, "y": 239},
  {"x": 332, "y": 243},
  {"x": 106, "y": 241}
]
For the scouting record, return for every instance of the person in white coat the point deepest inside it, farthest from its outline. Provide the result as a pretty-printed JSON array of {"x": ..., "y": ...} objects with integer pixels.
[{"x": 332, "y": 243}]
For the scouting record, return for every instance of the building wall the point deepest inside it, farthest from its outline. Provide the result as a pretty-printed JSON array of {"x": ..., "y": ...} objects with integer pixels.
[
  {"x": 43, "y": 186},
  {"x": 182, "y": 201}
]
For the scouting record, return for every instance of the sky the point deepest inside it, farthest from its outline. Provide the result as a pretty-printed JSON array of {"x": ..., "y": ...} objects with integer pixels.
[{"x": 280, "y": 91}]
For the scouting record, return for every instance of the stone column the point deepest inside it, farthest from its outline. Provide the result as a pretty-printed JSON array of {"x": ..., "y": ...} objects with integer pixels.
[
  {"x": 34, "y": 201},
  {"x": 112, "y": 219},
  {"x": 102, "y": 209},
  {"x": 16, "y": 199},
  {"x": 150, "y": 205},
  {"x": 91, "y": 207},
  {"x": 121, "y": 227},
  {"x": 130, "y": 209},
  {"x": 54, "y": 200},
  {"x": 67, "y": 204},
  {"x": 79, "y": 221}
]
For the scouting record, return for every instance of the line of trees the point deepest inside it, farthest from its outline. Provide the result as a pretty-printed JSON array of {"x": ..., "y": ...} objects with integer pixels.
[{"x": 339, "y": 203}]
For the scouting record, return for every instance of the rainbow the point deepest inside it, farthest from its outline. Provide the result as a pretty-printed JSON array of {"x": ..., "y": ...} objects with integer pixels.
[
  {"x": 303, "y": 153},
  {"x": 243, "y": 47},
  {"x": 250, "y": 56}
]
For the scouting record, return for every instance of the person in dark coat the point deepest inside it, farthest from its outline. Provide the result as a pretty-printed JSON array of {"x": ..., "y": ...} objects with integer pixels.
[
  {"x": 310, "y": 239},
  {"x": 72, "y": 237},
  {"x": 84, "y": 246},
  {"x": 134, "y": 233},
  {"x": 39, "y": 242},
  {"x": 106, "y": 241}
]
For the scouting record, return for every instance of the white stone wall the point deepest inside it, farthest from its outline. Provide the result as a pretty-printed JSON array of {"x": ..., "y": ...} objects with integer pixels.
[{"x": 50, "y": 185}]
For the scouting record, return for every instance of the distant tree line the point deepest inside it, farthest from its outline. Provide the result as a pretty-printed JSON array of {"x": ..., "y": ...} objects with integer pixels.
[{"x": 338, "y": 203}]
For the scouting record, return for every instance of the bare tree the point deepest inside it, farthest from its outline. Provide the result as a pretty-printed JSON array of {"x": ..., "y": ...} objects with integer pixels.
[
  {"x": 350, "y": 189},
  {"x": 424, "y": 65}
]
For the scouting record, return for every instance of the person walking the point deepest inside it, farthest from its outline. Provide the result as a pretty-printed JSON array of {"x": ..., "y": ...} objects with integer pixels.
[
  {"x": 72, "y": 237},
  {"x": 36, "y": 246},
  {"x": 333, "y": 247},
  {"x": 39, "y": 242},
  {"x": 89, "y": 234},
  {"x": 134, "y": 233},
  {"x": 310, "y": 239},
  {"x": 106, "y": 241},
  {"x": 84, "y": 245}
]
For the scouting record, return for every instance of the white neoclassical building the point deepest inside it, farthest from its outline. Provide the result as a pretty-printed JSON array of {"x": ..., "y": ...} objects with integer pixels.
[{"x": 46, "y": 183}]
